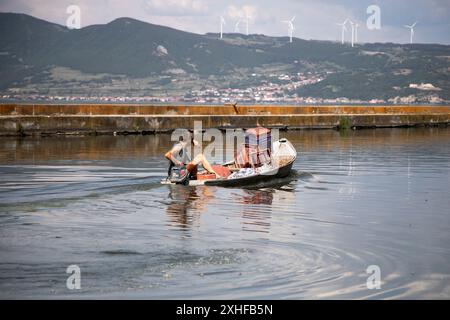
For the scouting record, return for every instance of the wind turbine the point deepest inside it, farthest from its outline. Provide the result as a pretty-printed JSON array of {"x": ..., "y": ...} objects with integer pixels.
[
  {"x": 344, "y": 29},
  {"x": 247, "y": 17},
  {"x": 411, "y": 27},
  {"x": 222, "y": 23},
  {"x": 290, "y": 27},
  {"x": 356, "y": 32},
  {"x": 352, "y": 25},
  {"x": 236, "y": 26}
]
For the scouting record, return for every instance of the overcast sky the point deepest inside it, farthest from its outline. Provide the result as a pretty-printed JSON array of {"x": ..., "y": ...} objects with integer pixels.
[{"x": 315, "y": 19}]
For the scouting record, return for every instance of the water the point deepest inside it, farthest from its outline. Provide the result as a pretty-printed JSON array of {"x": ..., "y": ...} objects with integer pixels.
[{"x": 370, "y": 197}]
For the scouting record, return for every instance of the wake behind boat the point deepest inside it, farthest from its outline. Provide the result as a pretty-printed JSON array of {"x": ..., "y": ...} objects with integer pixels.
[{"x": 258, "y": 161}]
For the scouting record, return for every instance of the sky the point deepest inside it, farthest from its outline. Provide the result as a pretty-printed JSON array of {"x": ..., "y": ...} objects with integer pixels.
[{"x": 314, "y": 19}]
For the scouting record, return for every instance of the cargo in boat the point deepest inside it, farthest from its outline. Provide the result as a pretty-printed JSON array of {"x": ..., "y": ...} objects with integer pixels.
[{"x": 258, "y": 160}]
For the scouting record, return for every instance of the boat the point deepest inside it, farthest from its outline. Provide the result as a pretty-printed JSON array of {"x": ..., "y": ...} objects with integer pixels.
[{"x": 277, "y": 165}]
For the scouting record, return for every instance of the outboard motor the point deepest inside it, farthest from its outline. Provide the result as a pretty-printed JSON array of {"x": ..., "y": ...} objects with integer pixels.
[{"x": 179, "y": 175}]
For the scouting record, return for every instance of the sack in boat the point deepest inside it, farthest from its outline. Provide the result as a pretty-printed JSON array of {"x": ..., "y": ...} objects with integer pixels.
[
  {"x": 221, "y": 170},
  {"x": 244, "y": 172}
]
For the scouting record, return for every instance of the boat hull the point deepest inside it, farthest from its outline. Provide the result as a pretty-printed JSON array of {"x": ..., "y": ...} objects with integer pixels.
[{"x": 278, "y": 173}]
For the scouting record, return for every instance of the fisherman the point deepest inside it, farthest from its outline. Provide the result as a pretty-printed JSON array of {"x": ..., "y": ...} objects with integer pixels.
[{"x": 178, "y": 157}]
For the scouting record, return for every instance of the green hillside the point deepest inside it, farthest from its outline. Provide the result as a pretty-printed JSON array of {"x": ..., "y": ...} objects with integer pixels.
[{"x": 158, "y": 59}]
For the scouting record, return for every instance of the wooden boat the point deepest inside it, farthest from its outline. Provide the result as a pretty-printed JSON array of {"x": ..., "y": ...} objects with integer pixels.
[{"x": 280, "y": 165}]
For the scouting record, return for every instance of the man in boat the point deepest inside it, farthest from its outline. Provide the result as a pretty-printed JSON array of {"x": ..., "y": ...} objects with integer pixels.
[{"x": 178, "y": 156}]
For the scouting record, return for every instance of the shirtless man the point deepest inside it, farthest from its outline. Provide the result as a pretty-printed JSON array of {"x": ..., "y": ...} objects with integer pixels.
[{"x": 178, "y": 156}]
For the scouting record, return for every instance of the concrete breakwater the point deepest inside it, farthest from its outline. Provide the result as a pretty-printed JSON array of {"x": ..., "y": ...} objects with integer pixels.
[{"x": 23, "y": 119}]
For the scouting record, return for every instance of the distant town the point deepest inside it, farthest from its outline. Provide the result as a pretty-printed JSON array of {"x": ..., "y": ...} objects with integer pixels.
[{"x": 279, "y": 89}]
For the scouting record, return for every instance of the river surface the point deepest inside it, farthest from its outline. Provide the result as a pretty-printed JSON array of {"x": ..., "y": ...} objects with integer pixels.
[{"x": 364, "y": 199}]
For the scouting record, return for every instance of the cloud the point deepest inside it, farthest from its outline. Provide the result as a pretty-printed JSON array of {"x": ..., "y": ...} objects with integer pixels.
[
  {"x": 242, "y": 12},
  {"x": 315, "y": 19},
  {"x": 175, "y": 7}
]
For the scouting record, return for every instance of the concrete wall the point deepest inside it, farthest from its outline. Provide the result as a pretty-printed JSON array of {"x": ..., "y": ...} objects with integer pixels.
[
  {"x": 119, "y": 109},
  {"x": 50, "y": 119}
]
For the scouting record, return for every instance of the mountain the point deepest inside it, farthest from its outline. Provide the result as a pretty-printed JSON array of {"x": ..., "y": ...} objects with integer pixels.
[{"x": 131, "y": 57}]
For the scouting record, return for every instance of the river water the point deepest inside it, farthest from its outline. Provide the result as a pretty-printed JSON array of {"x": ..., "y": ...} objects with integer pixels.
[{"x": 364, "y": 198}]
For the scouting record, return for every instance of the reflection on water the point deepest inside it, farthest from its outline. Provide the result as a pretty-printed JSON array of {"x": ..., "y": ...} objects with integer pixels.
[
  {"x": 187, "y": 204},
  {"x": 257, "y": 220},
  {"x": 258, "y": 197},
  {"x": 367, "y": 197}
]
